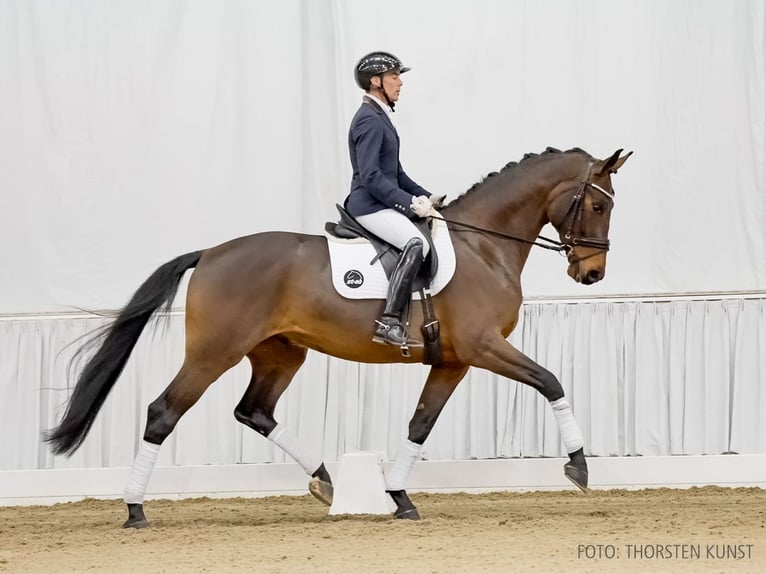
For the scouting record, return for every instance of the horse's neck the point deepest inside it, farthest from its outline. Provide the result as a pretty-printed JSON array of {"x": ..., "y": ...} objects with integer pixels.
[
  {"x": 515, "y": 202},
  {"x": 517, "y": 208}
]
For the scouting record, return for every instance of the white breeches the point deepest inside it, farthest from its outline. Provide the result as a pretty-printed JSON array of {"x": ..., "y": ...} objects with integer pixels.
[{"x": 394, "y": 227}]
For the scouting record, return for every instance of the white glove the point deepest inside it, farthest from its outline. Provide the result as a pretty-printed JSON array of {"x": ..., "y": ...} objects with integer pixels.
[{"x": 421, "y": 205}]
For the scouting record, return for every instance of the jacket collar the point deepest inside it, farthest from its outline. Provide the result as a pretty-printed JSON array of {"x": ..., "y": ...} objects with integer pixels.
[{"x": 375, "y": 105}]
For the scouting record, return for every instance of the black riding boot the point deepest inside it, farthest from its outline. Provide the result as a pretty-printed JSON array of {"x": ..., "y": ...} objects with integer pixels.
[{"x": 389, "y": 328}]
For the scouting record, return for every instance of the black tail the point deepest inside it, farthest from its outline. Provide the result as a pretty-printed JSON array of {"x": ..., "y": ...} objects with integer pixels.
[{"x": 102, "y": 370}]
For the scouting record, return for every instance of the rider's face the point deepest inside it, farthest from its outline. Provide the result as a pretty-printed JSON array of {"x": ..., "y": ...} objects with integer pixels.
[{"x": 392, "y": 84}]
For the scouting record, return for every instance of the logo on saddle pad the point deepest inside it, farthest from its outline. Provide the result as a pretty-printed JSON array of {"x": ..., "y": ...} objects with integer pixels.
[
  {"x": 357, "y": 273},
  {"x": 353, "y": 279}
]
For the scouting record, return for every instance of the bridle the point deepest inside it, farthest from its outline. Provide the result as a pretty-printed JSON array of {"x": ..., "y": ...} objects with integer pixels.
[
  {"x": 570, "y": 240},
  {"x": 576, "y": 209}
]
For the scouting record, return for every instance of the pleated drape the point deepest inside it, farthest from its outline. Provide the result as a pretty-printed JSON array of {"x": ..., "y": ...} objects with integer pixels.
[{"x": 644, "y": 378}]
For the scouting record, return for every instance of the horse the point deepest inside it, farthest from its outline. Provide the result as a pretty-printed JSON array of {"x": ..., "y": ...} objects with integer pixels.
[{"x": 269, "y": 297}]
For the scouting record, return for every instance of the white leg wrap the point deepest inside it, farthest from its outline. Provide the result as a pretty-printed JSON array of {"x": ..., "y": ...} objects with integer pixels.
[
  {"x": 142, "y": 470},
  {"x": 288, "y": 442},
  {"x": 408, "y": 453},
  {"x": 570, "y": 432}
]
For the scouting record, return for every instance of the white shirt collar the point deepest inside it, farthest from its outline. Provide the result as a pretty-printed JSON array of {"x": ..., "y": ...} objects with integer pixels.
[{"x": 384, "y": 106}]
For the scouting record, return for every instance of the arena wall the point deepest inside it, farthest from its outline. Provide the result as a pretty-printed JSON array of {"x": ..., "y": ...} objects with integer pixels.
[{"x": 137, "y": 131}]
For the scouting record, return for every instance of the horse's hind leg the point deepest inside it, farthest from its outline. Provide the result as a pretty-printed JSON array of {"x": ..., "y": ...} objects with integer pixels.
[
  {"x": 274, "y": 363},
  {"x": 162, "y": 416},
  {"x": 437, "y": 390}
]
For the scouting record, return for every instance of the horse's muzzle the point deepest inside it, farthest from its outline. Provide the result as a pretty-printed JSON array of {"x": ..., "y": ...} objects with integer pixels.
[
  {"x": 582, "y": 274},
  {"x": 592, "y": 276}
]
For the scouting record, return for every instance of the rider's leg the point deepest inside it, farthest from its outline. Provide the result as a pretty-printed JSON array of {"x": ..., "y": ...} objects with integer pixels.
[
  {"x": 392, "y": 227},
  {"x": 389, "y": 328},
  {"x": 399, "y": 231}
]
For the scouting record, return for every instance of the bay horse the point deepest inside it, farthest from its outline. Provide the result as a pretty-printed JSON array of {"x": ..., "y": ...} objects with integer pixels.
[{"x": 269, "y": 297}]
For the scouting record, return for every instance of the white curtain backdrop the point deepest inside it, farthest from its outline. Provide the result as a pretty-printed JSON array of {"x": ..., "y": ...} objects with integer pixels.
[
  {"x": 132, "y": 131},
  {"x": 643, "y": 378}
]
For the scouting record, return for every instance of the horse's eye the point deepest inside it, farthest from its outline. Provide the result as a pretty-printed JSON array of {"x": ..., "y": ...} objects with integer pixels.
[{"x": 598, "y": 207}]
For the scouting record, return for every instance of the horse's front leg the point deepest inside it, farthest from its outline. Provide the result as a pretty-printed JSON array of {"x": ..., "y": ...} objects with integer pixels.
[
  {"x": 438, "y": 388},
  {"x": 502, "y": 358}
]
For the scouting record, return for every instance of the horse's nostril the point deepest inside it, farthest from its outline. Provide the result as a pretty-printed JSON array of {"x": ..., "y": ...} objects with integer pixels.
[{"x": 594, "y": 275}]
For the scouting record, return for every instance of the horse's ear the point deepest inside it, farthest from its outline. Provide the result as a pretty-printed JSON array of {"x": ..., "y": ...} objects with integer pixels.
[{"x": 612, "y": 164}]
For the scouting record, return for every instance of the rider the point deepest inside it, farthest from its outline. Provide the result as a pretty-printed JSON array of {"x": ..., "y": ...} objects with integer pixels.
[{"x": 383, "y": 199}]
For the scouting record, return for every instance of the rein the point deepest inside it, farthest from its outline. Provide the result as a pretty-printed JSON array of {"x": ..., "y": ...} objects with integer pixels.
[
  {"x": 576, "y": 209},
  {"x": 570, "y": 240},
  {"x": 554, "y": 245}
]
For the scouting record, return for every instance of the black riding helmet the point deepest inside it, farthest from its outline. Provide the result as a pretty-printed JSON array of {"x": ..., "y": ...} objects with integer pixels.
[{"x": 374, "y": 64}]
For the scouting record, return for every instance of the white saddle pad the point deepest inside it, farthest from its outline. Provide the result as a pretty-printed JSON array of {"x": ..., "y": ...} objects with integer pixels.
[{"x": 354, "y": 277}]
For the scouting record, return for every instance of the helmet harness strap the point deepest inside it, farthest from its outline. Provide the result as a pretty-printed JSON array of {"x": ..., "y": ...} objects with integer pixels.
[{"x": 383, "y": 90}]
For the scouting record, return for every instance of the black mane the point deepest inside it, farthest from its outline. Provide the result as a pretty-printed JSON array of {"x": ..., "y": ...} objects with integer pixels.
[{"x": 511, "y": 165}]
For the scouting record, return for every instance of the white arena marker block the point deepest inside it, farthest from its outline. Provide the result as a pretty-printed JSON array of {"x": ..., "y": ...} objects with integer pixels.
[{"x": 360, "y": 487}]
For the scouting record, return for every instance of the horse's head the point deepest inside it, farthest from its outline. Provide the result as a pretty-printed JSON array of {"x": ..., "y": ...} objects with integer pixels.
[{"x": 581, "y": 216}]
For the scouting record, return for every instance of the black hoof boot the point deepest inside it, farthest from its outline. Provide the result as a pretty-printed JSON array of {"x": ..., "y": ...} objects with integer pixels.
[
  {"x": 404, "y": 507},
  {"x": 576, "y": 470},
  {"x": 136, "y": 518}
]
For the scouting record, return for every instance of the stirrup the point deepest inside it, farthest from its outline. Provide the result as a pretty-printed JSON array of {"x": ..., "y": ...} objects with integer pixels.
[
  {"x": 404, "y": 345},
  {"x": 382, "y": 337},
  {"x": 410, "y": 343}
]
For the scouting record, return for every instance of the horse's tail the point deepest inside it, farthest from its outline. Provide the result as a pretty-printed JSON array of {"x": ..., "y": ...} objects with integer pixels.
[{"x": 117, "y": 341}]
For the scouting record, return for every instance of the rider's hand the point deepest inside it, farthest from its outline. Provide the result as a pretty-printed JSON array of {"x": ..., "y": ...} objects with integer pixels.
[{"x": 421, "y": 205}]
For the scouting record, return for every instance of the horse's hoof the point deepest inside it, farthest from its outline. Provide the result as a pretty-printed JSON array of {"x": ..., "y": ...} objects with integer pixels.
[
  {"x": 576, "y": 470},
  {"x": 136, "y": 518},
  {"x": 135, "y": 524},
  {"x": 578, "y": 477},
  {"x": 409, "y": 514},
  {"x": 321, "y": 490},
  {"x": 404, "y": 507}
]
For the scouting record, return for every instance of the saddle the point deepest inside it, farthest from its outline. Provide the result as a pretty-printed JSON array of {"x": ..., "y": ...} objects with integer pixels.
[{"x": 388, "y": 255}]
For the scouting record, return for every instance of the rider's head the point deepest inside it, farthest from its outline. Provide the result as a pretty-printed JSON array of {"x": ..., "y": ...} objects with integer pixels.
[{"x": 378, "y": 73}]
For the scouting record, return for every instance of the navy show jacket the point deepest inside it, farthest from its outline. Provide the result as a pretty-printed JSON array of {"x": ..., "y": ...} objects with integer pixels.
[{"x": 378, "y": 180}]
